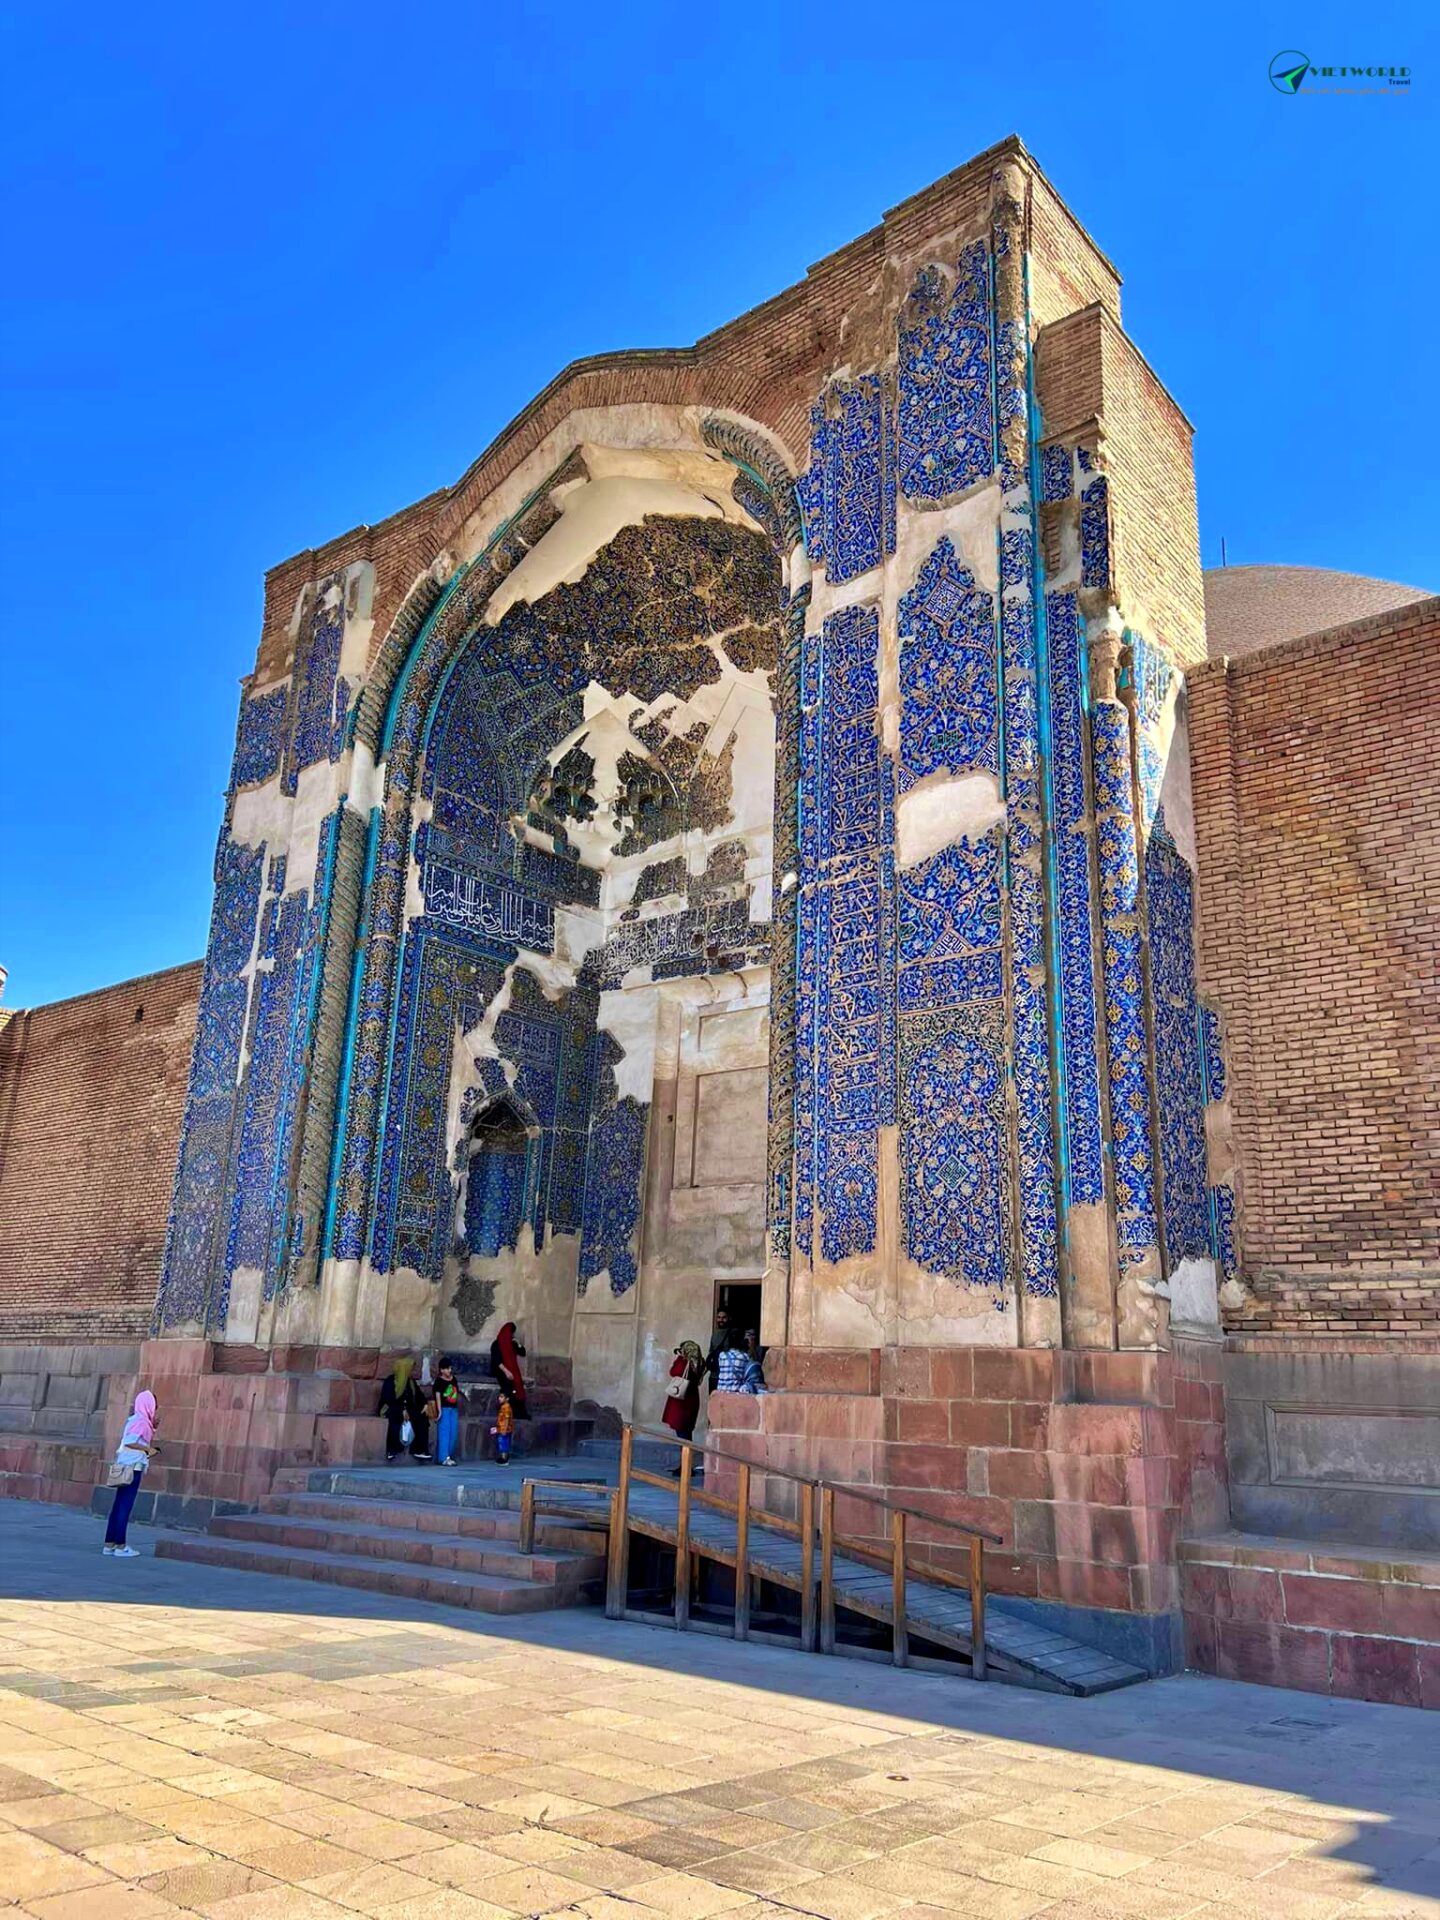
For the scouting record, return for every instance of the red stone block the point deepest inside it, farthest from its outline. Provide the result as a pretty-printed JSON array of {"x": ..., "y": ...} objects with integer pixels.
[
  {"x": 1429, "y": 1658},
  {"x": 1081, "y": 1583},
  {"x": 922, "y": 1466},
  {"x": 1137, "y": 1378},
  {"x": 822, "y": 1370},
  {"x": 1273, "y": 1656},
  {"x": 1412, "y": 1613},
  {"x": 1007, "y": 1572},
  {"x": 1030, "y": 1424},
  {"x": 906, "y": 1370},
  {"x": 729, "y": 1411},
  {"x": 1351, "y": 1606},
  {"x": 1255, "y": 1594},
  {"x": 1192, "y": 1401},
  {"x": 1019, "y": 1476},
  {"x": 1077, "y": 1427},
  {"x": 1146, "y": 1480},
  {"x": 1014, "y": 1373},
  {"x": 1200, "y": 1638},
  {"x": 979, "y": 1423},
  {"x": 1368, "y": 1668},
  {"x": 952, "y": 1373},
  {"x": 926, "y": 1420},
  {"x": 1154, "y": 1589}
]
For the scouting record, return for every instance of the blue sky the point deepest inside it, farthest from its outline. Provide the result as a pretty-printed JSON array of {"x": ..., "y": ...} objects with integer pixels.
[{"x": 271, "y": 272}]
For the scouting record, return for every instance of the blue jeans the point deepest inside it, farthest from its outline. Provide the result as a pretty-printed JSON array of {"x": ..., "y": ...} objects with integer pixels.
[
  {"x": 449, "y": 1432},
  {"x": 120, "y": 1508}
]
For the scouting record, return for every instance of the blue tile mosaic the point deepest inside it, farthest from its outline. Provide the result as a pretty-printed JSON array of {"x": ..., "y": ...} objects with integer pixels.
[
  {"x": 946, "y": 428},
  {"x": 614, "y": 1178},
  {"x": 950, "y": 927},
  {"x": 1095, "y": 533},
  {"x": 1154, "y": 678},
  {"x": 1132, "y": 1149},
  {"x": 1213, "y": 1054},
  {"x": 315, "y": 689},
  {"x": 956, "y": 1185},
  {"x": 857, "y": 454},
  {"x": 192, "y": 1249},
  {"x": 1075, "y": 890},
  {"x": 271, "y": 1088},
  {"x": 1169, "y": 900},
  {"x": 261, "y": 739},
  {"x": 949, "y": 720}
]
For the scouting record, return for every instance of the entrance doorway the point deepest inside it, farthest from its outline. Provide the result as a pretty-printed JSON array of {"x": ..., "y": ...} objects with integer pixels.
[{"x": 741, "y": 1301}]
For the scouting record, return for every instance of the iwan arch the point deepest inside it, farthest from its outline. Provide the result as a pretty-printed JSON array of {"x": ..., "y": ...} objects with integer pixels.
[
  {"x": 709, "y": 749},
  {"x": 742, "y": 834}
]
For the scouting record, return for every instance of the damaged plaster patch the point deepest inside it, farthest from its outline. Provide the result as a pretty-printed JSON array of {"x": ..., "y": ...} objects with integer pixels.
[
  {"x": 625, "y": 485},
  {"x": 1194, "y": 1303},
  {"x": 944, "y": 808}
]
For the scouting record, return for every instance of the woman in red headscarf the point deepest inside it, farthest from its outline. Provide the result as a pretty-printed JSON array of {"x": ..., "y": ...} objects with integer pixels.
[{"x": 505, "y": 1352}]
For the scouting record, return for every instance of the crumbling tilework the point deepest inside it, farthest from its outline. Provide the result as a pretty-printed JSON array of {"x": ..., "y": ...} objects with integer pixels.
[
  {"x": 856, "y": 453},
  {"x": 956, "y": 1166},
  {"x": 260, "y": 742},
  {"x": 192, "y": 1249},
  {"x": 950, "y": 927},
  {"x": 271, "y": 1087},
  {"x": 1028, "y": 968},
  {"x": 315, "y": 687},
  {"x": 1132, "y": 1152},
  {"x": 1154, "y": 677},
  {"x": 1169, "y": 899},
  {"x": 1075, "y": 889},
  {"x": 946, "y": 426},
  {"x": 949, "y": 720},
  {"x": 1095, "y": 532},
  {"x": 614, "y": 1177}
]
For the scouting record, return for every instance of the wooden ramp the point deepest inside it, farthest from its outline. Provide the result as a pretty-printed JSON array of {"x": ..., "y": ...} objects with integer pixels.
[{"x": 930, "y": 1613}]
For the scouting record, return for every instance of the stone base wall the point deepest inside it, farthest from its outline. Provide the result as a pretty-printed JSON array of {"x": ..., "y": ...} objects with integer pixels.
[
  {"x": 1087, "y": 1465},
  {"x": 1325, "y": 1621}
]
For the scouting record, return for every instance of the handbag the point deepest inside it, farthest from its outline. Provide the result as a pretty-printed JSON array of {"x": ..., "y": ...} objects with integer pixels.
[
  {"x": 118, "y": 1476},
  {"x": 407, "y": 1432},
  {"x": 678, "y": 1388}
]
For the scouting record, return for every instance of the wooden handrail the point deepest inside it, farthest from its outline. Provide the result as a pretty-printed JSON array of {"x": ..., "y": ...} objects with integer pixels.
[
  {"x": 817, "y": 1610},
  {"x": 526, "y": 1540},
  {"x": 914, "y": 1513}
]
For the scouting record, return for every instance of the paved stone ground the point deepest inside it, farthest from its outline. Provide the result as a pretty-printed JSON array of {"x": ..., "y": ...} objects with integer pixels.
[{"x": 187, "y": 1739}]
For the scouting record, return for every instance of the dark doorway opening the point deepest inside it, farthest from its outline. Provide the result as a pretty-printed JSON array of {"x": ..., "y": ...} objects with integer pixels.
[{"x": 741, "y": 1301}]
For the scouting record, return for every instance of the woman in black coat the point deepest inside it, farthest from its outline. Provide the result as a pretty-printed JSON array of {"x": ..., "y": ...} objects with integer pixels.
[{"x": 399, "y": 1397}]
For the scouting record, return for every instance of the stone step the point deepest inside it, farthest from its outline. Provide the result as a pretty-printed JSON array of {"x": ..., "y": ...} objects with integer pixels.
[
  {"x": 480, "y": 1485},
  {"x": 494, "y": 1523},
  {"x": 480, "y": 1592},
  {"x": 554, "y": 1567}
]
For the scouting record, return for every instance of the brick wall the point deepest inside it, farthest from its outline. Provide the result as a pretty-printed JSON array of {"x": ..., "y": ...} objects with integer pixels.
[
  {"x": 766, "y": 364},
  {"x": 91, "y": 1096},
  {"x": 1317, "y": 805}
]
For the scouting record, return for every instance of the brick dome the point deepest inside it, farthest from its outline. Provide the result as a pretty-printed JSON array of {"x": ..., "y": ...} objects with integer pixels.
[{"x": 1247, "y": 608}]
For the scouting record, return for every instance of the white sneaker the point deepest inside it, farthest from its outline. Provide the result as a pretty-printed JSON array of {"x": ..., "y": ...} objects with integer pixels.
[
  {"x": 126, "y": 1553},
  {"x": 107, "y": 1548}
]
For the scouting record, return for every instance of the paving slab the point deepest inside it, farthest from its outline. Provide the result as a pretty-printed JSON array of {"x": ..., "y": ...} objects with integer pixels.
[{"x": 179, "y": 1738}]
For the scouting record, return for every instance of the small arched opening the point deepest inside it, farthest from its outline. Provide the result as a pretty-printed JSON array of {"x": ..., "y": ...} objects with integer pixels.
[{"x": 499, "y": 1182}]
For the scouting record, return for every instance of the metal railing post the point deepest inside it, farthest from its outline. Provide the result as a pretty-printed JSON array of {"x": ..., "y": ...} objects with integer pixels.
[{"x": 618, "y": 1570}]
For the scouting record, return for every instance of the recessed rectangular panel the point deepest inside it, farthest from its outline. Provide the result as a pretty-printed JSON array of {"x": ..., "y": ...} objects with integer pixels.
[
  {"x": 730, "y": 1127},
  {"x": 1354, "y": 1447}
]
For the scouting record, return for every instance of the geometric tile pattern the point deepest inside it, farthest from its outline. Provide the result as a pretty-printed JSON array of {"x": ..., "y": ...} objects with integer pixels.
[
  {"x": 1155, "y": 679},
  {"x": 201, "y": 1183},
  {"x": 949, "y": 682},
  {"x": 1180, "y": 1093},
  {"x": 614, "y": 1177},
  {"x": 315, "y": 687},
  {"x": 261, "y": 739},
  {"x": 848, "y": 498},
  {"x": 1131, "y": 1146},
  {"x": 956, "y": 1166},
  {"x": 1084, "y": 1163},
  {"x": 946, "y": 429}
]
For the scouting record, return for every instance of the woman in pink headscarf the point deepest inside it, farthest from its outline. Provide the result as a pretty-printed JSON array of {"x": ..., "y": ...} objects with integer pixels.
[{"x": 137, "y": 1443}]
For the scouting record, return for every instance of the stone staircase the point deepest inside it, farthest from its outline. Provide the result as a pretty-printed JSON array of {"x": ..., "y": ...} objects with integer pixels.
[{"x": 420, "y": 1533}]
